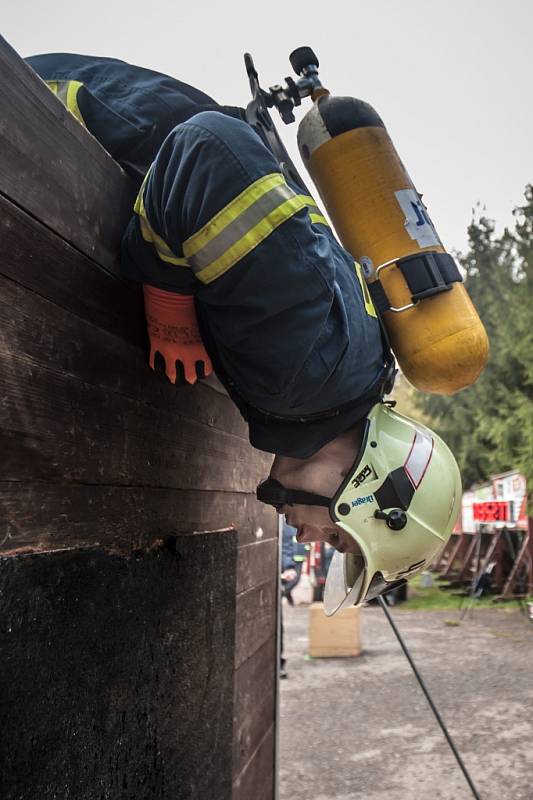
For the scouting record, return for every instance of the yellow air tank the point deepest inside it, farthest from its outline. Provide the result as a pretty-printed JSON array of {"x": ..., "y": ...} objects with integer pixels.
[{"x": 435, "y": 332}]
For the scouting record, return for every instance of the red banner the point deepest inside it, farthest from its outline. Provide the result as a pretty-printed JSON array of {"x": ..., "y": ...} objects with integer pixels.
[{"x": 493, "y": 511}]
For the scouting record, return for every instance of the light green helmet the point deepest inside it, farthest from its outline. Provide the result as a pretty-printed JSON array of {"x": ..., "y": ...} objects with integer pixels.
[{"x": 399, "y": 502}]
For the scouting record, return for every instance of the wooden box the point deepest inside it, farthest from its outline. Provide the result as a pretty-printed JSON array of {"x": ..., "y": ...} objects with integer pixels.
[{"x": 331, "y": 637}]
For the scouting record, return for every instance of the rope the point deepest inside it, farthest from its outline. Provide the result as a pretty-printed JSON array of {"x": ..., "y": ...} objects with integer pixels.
[{"x": 429, "y": 699}]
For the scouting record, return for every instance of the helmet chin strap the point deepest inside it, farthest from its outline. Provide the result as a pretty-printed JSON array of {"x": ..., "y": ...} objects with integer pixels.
[{"x": 273, "y": 493}]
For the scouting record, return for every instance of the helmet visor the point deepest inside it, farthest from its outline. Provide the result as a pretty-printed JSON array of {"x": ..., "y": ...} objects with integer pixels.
[{"x": 346, "y": 583}]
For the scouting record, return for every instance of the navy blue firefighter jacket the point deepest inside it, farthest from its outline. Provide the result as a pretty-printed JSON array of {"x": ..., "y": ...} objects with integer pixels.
[{"x": 283, "y": 308}]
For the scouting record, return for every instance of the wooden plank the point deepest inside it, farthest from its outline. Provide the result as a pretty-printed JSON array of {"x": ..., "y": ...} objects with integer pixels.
[
  {"x": 39, "y": 331},
  {"x": 256, "y": 563},
  {"x": 68, "y": 182},
  {"x": 256, "y": 781},
  {"x": 506, "y": 592},
  {"x": 255, "y": 697},
  {"x": 118, "y": 673},
  {"x": 256, "y": 619},
  {"x": 465, "y": 566},
  {"x": 45, "y": 516},
  {"x": 56, "y": 428},
  {"x": 453, "y": 555},
  {"x": 38, "y": 259},
  {"x": 97, "y": 450}
]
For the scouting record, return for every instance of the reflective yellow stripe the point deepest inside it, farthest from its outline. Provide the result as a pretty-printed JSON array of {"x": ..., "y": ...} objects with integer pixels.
[
  {"x": 369, "y": 305},
  {"x": 241, "y": 226},
  {"x": 318, "y": 219},
  {"x": 67, "y": 92},
  {"x": 72, "y": 99},
  {"x": 232, "y": 212},
  {"x": 251, "y": 240},
  {"x": 315, "y": 213},
  {"x": 149, "y": 235},
  {"x": 139, "y": 200}
]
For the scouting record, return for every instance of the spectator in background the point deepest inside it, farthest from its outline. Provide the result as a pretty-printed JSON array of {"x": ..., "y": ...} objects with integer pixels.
[{"x": 293, "y": 555}]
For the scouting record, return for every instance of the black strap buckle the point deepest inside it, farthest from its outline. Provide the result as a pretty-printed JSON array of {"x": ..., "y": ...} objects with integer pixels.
[{"x": 426, "y": 275}]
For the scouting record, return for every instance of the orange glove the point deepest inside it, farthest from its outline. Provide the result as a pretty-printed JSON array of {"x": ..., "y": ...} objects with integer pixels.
[{"x": 173, "y": 332}]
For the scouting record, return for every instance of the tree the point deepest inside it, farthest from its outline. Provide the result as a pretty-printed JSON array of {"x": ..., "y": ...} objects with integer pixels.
[{"x": 489, "y": 426}]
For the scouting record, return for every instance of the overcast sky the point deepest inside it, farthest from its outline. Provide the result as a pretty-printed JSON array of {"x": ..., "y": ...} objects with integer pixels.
[{"x": 451, "y": 79}]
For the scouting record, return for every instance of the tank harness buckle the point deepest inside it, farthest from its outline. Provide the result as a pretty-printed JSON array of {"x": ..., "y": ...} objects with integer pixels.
[{"x": 426, "y": 274}]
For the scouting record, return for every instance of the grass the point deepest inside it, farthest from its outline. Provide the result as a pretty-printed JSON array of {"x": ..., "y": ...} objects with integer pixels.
[{"x": 436, "y": 597}]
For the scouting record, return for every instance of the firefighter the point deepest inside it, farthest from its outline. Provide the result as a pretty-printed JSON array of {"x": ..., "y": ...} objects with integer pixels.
[
  {"x": 241, "y": 271},
  {"x": 239, "y": 268}
]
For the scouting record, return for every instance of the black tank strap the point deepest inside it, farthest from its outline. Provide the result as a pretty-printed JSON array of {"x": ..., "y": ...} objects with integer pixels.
[
  {"x": 379, "y": 298},
  {"x": 426, "y": 274},
  {"x": 429, "y": 273}
]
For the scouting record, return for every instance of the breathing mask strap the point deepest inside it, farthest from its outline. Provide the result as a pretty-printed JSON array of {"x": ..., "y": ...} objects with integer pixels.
[{"x": 275, "y": 494}]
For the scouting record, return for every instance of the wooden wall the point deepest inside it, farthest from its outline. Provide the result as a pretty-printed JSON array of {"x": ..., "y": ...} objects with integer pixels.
[{"x": 138, "y": 654}]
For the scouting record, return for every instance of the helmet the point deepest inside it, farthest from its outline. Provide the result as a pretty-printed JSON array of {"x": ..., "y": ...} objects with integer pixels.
[{"x": 399, "y": 502}]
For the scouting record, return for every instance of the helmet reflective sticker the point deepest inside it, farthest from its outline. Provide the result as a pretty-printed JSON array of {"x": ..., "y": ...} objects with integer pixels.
[{"x": 419, "y": 457}]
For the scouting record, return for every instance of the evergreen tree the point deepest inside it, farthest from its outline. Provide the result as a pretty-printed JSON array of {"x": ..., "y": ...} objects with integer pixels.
[{"x": 489, "y": 426}]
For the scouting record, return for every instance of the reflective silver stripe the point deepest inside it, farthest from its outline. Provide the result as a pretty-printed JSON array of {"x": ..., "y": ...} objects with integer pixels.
[
  {"x": 62, "y": 92},
  {"x": 240, "y": 227},
  {"x": 314, "y": 209},
  {"x": 67, "y": 92},
  {"x": 315, "y": 214}
]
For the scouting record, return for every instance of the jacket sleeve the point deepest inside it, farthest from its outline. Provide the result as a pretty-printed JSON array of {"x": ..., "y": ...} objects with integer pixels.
[
  {"x": 212, "y": 196},
  {"x": 116, "y": 134},
  {"x": 280, "y": 296}
]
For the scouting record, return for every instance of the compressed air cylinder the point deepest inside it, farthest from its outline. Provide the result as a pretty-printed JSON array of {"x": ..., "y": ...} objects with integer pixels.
[{"x": 440, "y": 343}]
